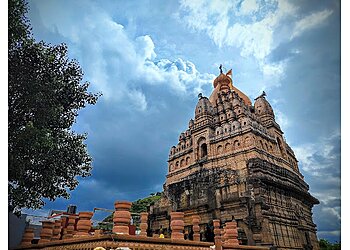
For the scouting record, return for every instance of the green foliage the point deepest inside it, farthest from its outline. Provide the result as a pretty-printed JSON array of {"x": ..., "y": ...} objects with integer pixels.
[
  {"x": 137, "y": 207},
  {"x": 106, "y": 224},
  {"x": 109, "y": 218},
  {"x": 326, "y": 245},
  {"x": 45, "y": 94},
  {"x": 18, "y": 24},
  {"x": 141, "y": 204}
]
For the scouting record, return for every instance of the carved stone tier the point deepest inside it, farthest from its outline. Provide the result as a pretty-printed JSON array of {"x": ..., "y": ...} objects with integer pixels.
[
  {"x": 122, "y": 217},
  {"x": 144, "y": 224},
  {"x": 217, "y": 231},
  {"x": 56, "y": 235},
  {"x": 27, "y": 236},
  {"x": 177, "y": 225},
  {"x": 195, "y": 227},
  {"x": 46, "y": 231},
  {"x": 64, "y": 221},
  {"x": 71, "y": 226},
  {"x": 84, "y": 224},
  {"x": 231, "y": 234},
  {"x": 264, "y": 171}
]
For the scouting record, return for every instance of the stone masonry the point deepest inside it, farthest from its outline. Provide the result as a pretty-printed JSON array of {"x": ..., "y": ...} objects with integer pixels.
[{"x": 233, "y": 163}]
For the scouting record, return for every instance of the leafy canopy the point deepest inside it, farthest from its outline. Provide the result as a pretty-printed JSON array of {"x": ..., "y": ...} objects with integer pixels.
[
  {"x": 326, "y": 245},
  {"x": 137, "y": 206},
  {"x": 45, "y": 94}
]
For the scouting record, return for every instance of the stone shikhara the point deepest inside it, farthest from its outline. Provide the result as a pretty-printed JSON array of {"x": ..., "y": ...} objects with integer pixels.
[{"x": 233, "y": 163}]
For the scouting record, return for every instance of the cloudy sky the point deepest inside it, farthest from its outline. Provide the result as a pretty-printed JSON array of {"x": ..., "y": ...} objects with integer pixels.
[{"x": 150, "y": 59}]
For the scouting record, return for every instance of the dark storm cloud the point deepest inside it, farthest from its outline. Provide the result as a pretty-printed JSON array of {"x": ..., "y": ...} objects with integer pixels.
[
  {"x": 313, "y": 88},
  {"x": 129, "y": 148},
  {"x": 312, "y": 81},
  {"x": 320, "y": 163}
]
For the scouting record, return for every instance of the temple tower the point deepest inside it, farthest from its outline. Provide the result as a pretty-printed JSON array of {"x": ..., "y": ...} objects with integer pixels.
[{"x": 233, "y": 163}]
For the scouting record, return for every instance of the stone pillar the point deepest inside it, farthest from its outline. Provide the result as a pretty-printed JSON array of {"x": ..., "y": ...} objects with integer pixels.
[
  {"x": 231, "y": 233},
  {"x": 222, "y": 233},
  {"x": 195, "y": 227},
  {"x": 70, "y": 227},
  {"x": 27, "y": 236},
  {"x": 46, "y": 231},
  {"x": 84, "y": 224},
  {"x": 144, "y": 224},
  {"x": 121, "y": 217},
  {"x": 177, "y": 225},
  {"x": 217, "y": 237},
  {"x": 56, "y": 235},
  {"x": 64, "y": 227}
]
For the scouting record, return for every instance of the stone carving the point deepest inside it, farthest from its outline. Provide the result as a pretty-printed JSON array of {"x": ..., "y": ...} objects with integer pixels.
[
  {"x": 56, "y": 234},
  {"x": 64, "y": 221},
  {"x": 46, "y": 231},
  {"x": 70, "y": 230},
  {"x": 195, "y": 227},
  {"x": 122, "y": 217},
  {"x": 84, "y": 224},
  {"x": 177, "y": 225},
  {"x": 144, "y": 224},
  {"x": 237, "y": 165},
  {"x": 217, "y": 231},
  {"x": 27, "y": 236},
  {"x": 231, "y": 233}
]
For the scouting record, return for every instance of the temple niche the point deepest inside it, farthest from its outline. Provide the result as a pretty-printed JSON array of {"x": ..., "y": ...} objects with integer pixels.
[{"x": 233, "y": 163}]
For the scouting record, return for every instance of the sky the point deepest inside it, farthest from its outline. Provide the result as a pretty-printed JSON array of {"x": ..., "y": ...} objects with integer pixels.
[{"x": 151, "y": 59}]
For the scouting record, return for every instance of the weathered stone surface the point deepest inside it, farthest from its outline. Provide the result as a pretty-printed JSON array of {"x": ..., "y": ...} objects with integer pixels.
[
  {"x": 232, "y": 163},
  {"x": 195, "y": 227},
  {"x": 71, "y": 226},
  {"x": 144, "y": 224},
  {"x": 27, "y": 236},
  {"x": 121, "y": 217},
  {"x": 56, "y": 234},
  {"x": 84, "y": 224},
  {"x": 46, "y": 231},
  {"x": 177, "y": 225}
]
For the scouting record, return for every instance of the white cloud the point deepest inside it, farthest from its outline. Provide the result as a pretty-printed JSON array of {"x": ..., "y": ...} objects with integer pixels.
[
  {"x": 145, "y": 47},
  {"x": 249, "y": 6},
  {"x": 309, "y": 22},
  {"x": 115, "y": 63},
  {"x": 282, "y": 119},
  {"x": 273, "y": 69},
  {"x": 252, "y": 26},
  {"x": 323, "y": 234},
  {"x": 253, "y": 39},
  {"x": 315, "y": 157},
  {"x": 183, "y": 75},
  {"x": 332, "y": 211},
  {"x": 138, "y": 100}
]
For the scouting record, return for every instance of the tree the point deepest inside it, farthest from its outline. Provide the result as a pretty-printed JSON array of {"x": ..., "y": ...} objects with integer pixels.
[
  {"x": 45, "y": 94},
  {"x": 137, "y": 206},
  {"x": 141, "y": 204},
  {"x": 326, "y": 245}
]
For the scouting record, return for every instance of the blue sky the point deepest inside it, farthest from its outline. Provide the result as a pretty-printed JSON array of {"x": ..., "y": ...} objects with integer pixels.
[{"x": 150, "y": 59}]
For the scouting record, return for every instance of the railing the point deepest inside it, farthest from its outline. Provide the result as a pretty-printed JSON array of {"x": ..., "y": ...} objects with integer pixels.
[
  {"x": 113, "y": 241},
  {"x": 75, "y": 232}
]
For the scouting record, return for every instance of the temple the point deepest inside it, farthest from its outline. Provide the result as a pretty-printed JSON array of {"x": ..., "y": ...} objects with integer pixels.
[{"x": 232, "y": 163}]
